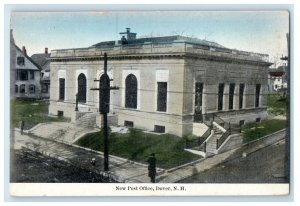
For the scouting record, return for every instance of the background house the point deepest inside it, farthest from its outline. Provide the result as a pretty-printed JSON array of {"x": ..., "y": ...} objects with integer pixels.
[
  {"x": 27, "y": 74},
  {"x": 277, "y": 79},
  {"x": 43, "y": 60}
]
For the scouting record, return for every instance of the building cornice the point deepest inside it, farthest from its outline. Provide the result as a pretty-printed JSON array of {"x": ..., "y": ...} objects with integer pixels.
[{"x": 180, "y": 55}]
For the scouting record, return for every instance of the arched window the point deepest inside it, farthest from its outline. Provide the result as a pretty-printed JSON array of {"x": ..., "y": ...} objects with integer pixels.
[
  {"x": 81, "y": 88},
  {"x": 131, "y": 91},
  {"x": 16, "y": 88}
]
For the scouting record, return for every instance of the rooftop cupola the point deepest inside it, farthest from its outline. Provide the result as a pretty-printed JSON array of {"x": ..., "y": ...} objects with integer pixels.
[{"x": 129, "y": 35}]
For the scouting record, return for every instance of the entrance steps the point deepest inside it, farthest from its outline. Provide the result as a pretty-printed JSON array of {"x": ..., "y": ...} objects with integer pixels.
[
  {"x": 87, "y": 120},
  {"x": 210, "y": 144}
]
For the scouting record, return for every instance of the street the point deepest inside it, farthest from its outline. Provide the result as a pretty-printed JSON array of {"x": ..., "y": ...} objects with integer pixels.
[{"x": 265, "y": 165}]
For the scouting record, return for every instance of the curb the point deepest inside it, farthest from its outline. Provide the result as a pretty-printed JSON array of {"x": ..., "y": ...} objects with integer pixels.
[{"x": 185, "y": 165}]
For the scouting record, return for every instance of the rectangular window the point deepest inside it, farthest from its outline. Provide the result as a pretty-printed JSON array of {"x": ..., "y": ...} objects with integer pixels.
[
  {"x": 31, "y": 73},
  {"x": 17, "y": 74},
  {"x": 242, "y": 122},
  {"x": 31, "y": 89},
  {"x": 257, "y": 94},
  {"x": 128, "y": 123},
  {"x": 159, "y": 129},
  {"x": 198, "y": 101},
  {"x": 20, "y": 61},
  {"x": 61, "y": 89},
  {"x": 231, "y": 95},
  {"x": 23, "y": 75},
  {"x": 220, "y": 96},
  {"x": 241, "y": 95},
  {"x": 16, "y": 88},
  {"x": 22, "y": 88},
  {"x": 60, "y": 113},
  {"x": 162, "y": 96},
  {"x": 44, "y": 88}
]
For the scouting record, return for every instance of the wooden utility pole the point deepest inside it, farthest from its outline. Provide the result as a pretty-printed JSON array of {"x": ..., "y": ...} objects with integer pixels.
[{"x": 104, "y": 100}]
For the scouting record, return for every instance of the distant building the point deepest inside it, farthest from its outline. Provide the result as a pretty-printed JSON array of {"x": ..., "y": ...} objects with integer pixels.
[
  {"x": 25, "y": 73},
  {"x": 43, "y": 60},
  {"x": 170, "y": 84},
  {"x": 277, "y": 79}
]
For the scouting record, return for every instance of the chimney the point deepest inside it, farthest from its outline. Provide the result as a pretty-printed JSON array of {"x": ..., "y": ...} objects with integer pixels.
[
  {"x": 24, "y": 51},
  {"x": 46, "y": 50}
]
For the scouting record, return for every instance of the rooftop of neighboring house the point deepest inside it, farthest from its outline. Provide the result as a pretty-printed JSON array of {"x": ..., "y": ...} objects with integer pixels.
[
  {"x": 24, "y": 52},
  {"x": 42, "y": 58},
  {"x": 278, "y": 72}
]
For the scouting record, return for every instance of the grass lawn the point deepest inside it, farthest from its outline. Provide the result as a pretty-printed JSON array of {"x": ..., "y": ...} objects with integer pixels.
[
  {"x": 31, "y": 112},
  {"x": 254, "y": 131},
  {"x": 277, "y": 105},
  {"x": 137, "y": 145}
]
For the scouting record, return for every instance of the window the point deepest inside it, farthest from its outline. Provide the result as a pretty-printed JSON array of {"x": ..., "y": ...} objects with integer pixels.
[
  {"x": 159, "y": 129},
  {"x": 257, "y": 120},
  {"x": 131, "y": 91},
  {"x": 81, "y": 88},
  {"x": 31, "y": 74},
  {"x": 257, "y": 94},
  {"x": 31, "y": 89},
  {"x": 60, "y": 113},
  {"x": 231, "y": 95},
  {"x": 242, "y": 122},
  {"x": 22, "y": 88},
  {"x": 17, "y": 74},
  {"x": 23, "y": 75},
  {"x": 241, "y": 95},
  {"x": 44, "y": 88},
  {"x": 162, "y": 96},
  {"x": 220, "y": 96},
  {"x": 16, "y": 89},
  {"x": 20, "y": 61},
  {"x": 61, "y": 89},
  {"x": 198, "y": 101},
  {"x": 128, "y": 123}
]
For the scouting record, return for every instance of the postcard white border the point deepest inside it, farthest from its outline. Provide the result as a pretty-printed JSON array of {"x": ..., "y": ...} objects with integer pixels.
[
  {"x": 58, "y": 187},
  {"x": 165, "y": 189}
]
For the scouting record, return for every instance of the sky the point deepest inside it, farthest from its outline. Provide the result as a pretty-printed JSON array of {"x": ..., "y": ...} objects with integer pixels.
[{"x": 254, "y": 31}]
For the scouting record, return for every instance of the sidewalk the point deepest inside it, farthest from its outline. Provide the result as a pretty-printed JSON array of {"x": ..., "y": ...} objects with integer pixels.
[{"x": 128, "y": 171}]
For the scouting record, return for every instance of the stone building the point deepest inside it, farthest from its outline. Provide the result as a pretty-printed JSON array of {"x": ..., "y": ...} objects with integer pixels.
[
  {"x": 171, "y": 84},
  {"x": 25, "y": 73},
  {"x": 43, "y": 60}
]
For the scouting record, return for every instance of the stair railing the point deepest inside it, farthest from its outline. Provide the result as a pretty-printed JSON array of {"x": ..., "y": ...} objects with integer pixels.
[
  {"x": 222, "y": 139},
  {"x": 199, "y": 141}
]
